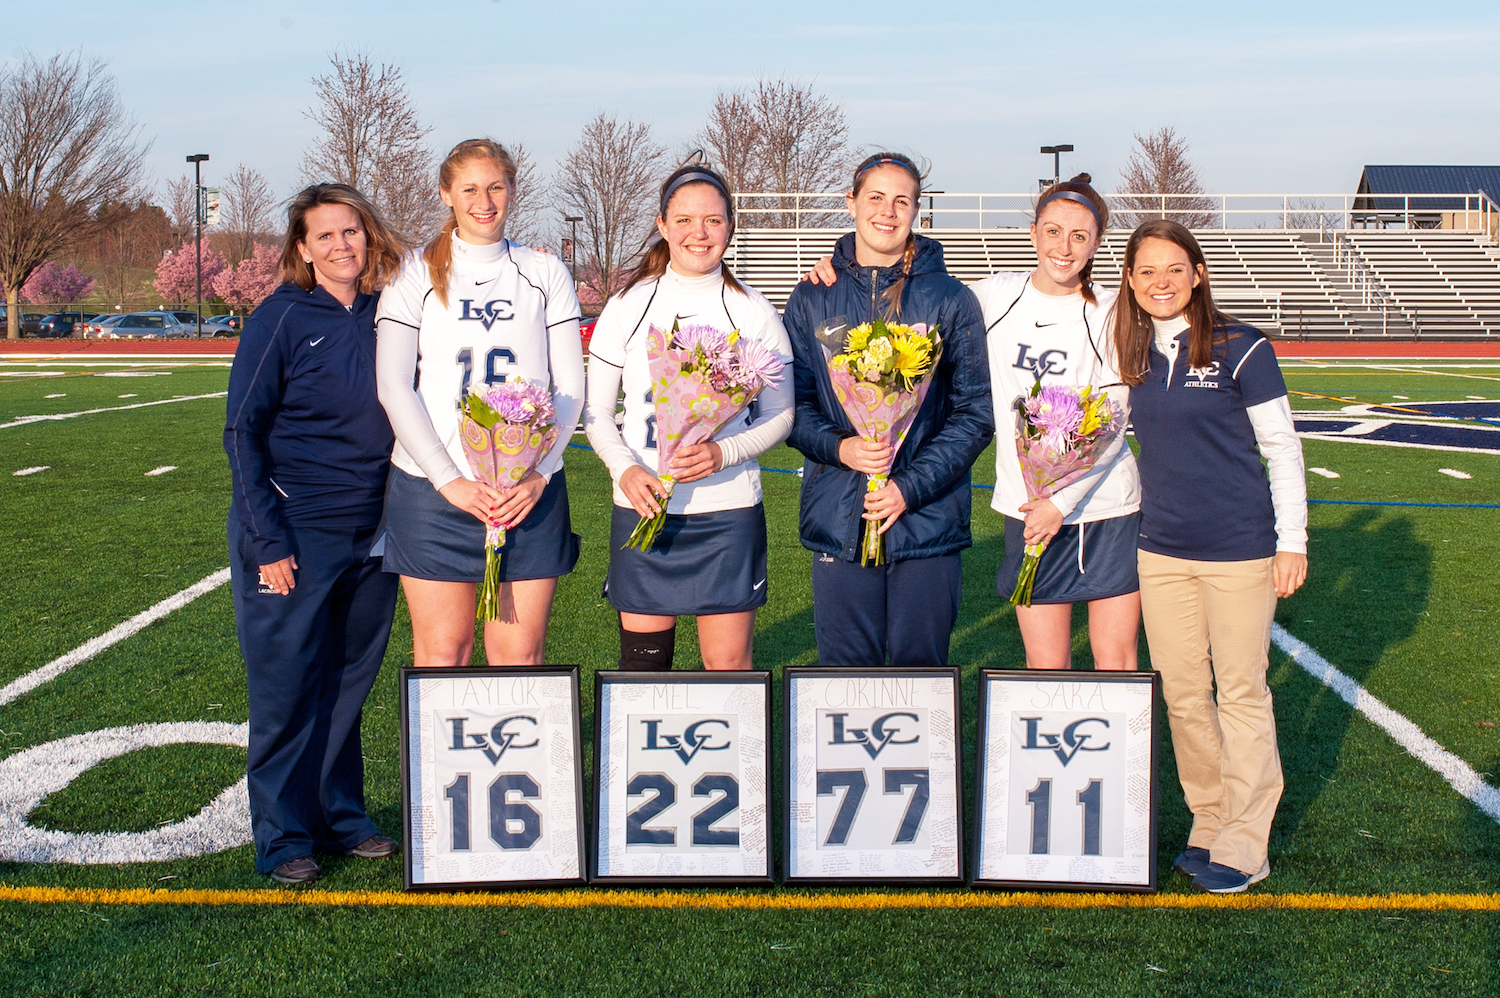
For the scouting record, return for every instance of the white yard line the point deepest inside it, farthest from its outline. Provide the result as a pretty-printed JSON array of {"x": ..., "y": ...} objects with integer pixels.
[
  {"x": 1391, "y": 443},
  {"x": 1459, "y": 774},
  {"x": 28, "y": 420},
  {"x": 113, "y": 636}
]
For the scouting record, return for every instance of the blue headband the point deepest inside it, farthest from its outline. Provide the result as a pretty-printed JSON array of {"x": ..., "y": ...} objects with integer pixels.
[
  {"x": 695, "y": 177},
  {"x": 1076, "y": 198},
  {"x": 894, "y": 162}
]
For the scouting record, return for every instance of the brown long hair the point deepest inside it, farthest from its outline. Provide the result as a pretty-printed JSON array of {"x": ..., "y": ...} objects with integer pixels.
[
  {"x": 1078, "y": 185},
  {"x": 654, "y": 261},
  {"x": 439, "y": 252},
  {"x": 1133, "y": 330},
  {"x": 383, "y": 248},
  {"x": 891, "y": 301}
]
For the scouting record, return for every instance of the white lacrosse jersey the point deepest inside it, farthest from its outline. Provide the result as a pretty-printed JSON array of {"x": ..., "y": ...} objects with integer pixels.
[
  {"x": 620, "y": 340},
  {"x": 504, "y": 303}
]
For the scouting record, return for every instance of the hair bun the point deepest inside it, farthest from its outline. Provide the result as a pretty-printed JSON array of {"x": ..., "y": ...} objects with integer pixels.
[{"x": 1082, "y": 178}]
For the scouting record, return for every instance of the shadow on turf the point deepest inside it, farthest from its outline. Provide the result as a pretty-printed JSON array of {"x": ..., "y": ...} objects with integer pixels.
[{"x": 1367, "y": 587}]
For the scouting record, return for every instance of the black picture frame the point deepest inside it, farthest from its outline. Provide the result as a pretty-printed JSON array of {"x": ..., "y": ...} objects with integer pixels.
[
  {"x": 791, "y": 677},
  {"x": 490, "y": 675},
  {"x": 1151, "y": 681},
  {"x": 603, "y": 681}
]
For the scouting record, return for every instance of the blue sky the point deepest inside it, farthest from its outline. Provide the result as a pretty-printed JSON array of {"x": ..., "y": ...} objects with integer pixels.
[{"x": 1272, "y": 96}]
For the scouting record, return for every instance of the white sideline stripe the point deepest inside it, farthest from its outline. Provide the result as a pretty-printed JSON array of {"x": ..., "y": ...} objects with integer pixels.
[
  {"x": 113, "y": 636},
  {"x": 1459, "y": 774},
  {"x": 28, "y": 420}
]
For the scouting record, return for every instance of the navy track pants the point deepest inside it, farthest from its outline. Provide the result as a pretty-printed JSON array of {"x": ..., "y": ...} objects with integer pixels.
[
  {"x": 905, "y": 608},
  {"x": 311, "y": 658}
]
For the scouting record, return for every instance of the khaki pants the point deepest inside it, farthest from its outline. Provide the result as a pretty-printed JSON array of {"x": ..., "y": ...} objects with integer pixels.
[{"x": 1209, "y": 623}]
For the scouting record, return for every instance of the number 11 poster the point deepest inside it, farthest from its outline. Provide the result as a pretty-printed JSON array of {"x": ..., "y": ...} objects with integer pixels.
[{"x": 872, "y": 776}]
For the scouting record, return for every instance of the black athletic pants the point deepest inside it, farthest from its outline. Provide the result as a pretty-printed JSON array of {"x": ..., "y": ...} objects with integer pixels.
[{"x": 905, "y": 609}]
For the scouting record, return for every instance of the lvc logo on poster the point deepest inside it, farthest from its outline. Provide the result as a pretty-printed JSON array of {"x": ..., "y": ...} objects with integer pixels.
[
  {"x": 1065, "y": 745},
  {"x": 696, "y": 737},
  {"x": 883, "y": 731},
  {"x": 505, "y": 736}
]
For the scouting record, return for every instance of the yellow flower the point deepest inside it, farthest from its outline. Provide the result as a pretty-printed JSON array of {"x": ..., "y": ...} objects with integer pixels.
[
  {"x": 859, "y": 336},
  {"x": 909, "y": 361}
]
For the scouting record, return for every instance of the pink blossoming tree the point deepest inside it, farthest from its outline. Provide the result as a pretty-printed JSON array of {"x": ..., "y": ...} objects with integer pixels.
[
  {"x": 53, "y": 282},
  {"x": 177, "y": 273},
  {"x": 252, "y": 279}
]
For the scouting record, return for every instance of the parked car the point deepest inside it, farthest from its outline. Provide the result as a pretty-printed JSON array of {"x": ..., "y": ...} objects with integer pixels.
[
  {"x": 30, "y": 321},
  {"x": 63, "y": 323},
  {"x": 213, "y": 325},
  {"x": 586, "y": 331},
  {"x": 141, "y": 326},
  {"x": 96, "y": 327}
]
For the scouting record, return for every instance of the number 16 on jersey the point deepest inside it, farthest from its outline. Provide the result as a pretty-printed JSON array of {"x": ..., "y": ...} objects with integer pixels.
[{"x": 1067, "y": 781}]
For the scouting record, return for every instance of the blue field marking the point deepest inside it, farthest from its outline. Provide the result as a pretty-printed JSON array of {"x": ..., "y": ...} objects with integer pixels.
[
  {"x": 1321, "y": 502},
  {"x": 1447, "y": 437}
]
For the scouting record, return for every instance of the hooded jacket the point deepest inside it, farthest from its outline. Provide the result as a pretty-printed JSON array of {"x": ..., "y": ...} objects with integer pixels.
[
  {"x": 307, "y": 439},
  {"x": 954, "y": 425}
]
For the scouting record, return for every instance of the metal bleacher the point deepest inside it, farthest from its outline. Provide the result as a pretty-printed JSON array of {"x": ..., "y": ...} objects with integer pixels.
[{"x": 1332, "y": 282}]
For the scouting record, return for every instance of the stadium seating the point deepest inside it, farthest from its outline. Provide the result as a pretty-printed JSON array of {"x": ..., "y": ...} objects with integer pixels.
[{"x": 1309, "y": 284}]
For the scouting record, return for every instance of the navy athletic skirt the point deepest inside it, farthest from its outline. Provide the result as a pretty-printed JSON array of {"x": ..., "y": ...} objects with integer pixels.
[
  {"x": 1107, "y": 568},
  {"x": 701, "y": 563},
  {"x": 427, "y": 537}
]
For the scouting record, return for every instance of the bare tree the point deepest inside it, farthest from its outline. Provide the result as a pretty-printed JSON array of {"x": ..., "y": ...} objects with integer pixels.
[
  {"x": 180, "y": 203},
  {"x": 374, "y": 141},
  {"x": 779, "y": 136},
  {"x": 526, "y": 219},
  {"x": 67, "y": 149},
  {"x": 246, "y": 212},
  {"x": 129, "y": 243},
  {"x": 1159, "y": 165},
  {"x": 609, "y": 179}
]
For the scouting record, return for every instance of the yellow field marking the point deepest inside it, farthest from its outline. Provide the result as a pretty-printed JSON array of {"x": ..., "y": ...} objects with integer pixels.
[{"x": 750, "y": 901}]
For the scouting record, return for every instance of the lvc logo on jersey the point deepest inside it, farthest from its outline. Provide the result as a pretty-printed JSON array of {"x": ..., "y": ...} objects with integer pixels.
[
  {"x": 688, "y": 744},
  {"x": 487, "y": 314},
  {"x": 1066, "y": 745},
  {"x": 1198, "y": 376},
  {"x": 1046, "y": 362},
  {"x": 501, "y": 739},
  {"x": 877, "y": 736}
]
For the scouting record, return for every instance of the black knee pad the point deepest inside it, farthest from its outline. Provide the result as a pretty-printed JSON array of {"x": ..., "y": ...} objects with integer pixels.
[{"x": 647, "y": 652}]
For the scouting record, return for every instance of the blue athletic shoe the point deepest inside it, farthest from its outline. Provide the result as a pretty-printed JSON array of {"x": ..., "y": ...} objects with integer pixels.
[
  {"x": 1192, "y": 861},
  {"x": 1221, "y": 879}
]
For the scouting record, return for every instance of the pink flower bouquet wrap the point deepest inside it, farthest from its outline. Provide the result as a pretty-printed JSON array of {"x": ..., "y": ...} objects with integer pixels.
[
  {"x": 700, "y": 380},
  {"x": 1060, "y": 430},
  {"x": 507, "y": 429},
  {"x": 880, "y": 380}
]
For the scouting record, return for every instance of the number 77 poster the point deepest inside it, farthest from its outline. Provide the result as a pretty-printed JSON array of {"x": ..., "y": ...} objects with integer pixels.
[
  {"x": 873, "y": 785},
  {"x": 1067, "y": 780}
]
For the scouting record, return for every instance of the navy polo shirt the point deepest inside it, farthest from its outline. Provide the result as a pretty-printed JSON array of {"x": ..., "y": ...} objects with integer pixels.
[{"x": 1205, "y": 495}]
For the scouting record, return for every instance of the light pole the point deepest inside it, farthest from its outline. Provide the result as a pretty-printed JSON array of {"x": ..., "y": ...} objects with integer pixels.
[
  {"x": 573, "y": 256},
  {"x": 198, "y": 159},
  {"x": 1056, "y": 153}
]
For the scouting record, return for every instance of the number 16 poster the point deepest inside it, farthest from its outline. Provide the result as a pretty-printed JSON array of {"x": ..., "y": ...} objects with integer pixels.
[{"x": 872, "y": 776}]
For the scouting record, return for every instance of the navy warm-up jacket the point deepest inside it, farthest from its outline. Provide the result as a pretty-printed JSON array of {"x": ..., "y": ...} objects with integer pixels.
[
  {"x": 307, "y": 438},
  {"x": 955, "y": 424}
]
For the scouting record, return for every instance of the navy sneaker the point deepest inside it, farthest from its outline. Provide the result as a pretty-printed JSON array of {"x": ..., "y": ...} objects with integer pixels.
[
  {"x": 376, "y": 847},
  {"x": 1192, "y": 861},
  {"x": 1220, "y": 879}
]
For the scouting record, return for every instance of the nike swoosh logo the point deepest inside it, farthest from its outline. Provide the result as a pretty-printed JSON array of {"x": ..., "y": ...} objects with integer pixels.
[
  {"x": 313, "y": 343},
  {"x": 758, "y": 584},
  {"x": 1044, "y": 325}
]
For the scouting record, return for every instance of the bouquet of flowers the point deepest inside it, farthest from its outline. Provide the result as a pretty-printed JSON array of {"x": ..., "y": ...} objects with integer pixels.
[
  {"x": 700, "y": 379},
  {"x": 1060, "y": 430},
  {"x": 506, "y": 431},
  {"x": 881, "y": 379}
]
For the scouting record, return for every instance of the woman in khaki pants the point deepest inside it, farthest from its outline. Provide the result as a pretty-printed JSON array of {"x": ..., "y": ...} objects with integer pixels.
[{"x": 1220, "y": 541}]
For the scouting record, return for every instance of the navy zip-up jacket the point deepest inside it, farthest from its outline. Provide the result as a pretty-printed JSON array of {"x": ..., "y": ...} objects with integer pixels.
[
  {"x": 953, "y": 427},
  {"x": 307, "y": 439}
]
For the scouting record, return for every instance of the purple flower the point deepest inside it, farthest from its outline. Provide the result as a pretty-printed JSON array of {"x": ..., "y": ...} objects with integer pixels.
[
  {"x": 520, "y": 402},
  {"x": 700, "y": 335},
  {"x": 1056, "y": 412},
  {"x": 758, "y": 366}
]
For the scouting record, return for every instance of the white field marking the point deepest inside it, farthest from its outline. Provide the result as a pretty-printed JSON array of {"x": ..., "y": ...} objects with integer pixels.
[
  {"x": 30, "y": 471},
  {"x": 1324, "y": 472},
  {"x": 1477, "y": 398},
  {"x": 116, "y": 634},
  {"x": 161, "y": 471},
  {"x": 1459, "y": 774},
  {"x": 28, "y": 420},
  {"x": 128, "y": 395},
  {"x": 132, "y": 374},
  {"x": 8, "y": 367},
  {"x": 28, "y": 777},
  {"x": 32, "y": 374},
  {"x": 1365, "y": 426},
  {"x": 59, "y": 395},
  {"x": 1404, "y": 398},
  {"x": 1390, "y": 443},
  {"x": 1453, "y": 474}
]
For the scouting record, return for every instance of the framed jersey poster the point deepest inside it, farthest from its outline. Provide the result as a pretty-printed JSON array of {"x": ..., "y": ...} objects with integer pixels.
[
  {"x": 682, "y": 777},
  {"x": 1067, "y": 780},
  {"x": 492, "y": 777},
  {"x": 873, "y": 780}
]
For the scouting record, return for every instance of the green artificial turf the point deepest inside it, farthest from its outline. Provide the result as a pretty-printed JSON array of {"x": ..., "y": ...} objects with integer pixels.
[{"x": 1400, "y": 598}]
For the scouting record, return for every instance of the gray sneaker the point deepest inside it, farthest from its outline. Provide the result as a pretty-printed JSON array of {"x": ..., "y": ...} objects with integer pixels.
[
  {"x": 303, "y": 870},
  {"x": 1191, "y": 861},
  {"x": 376, "y": 847}
]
